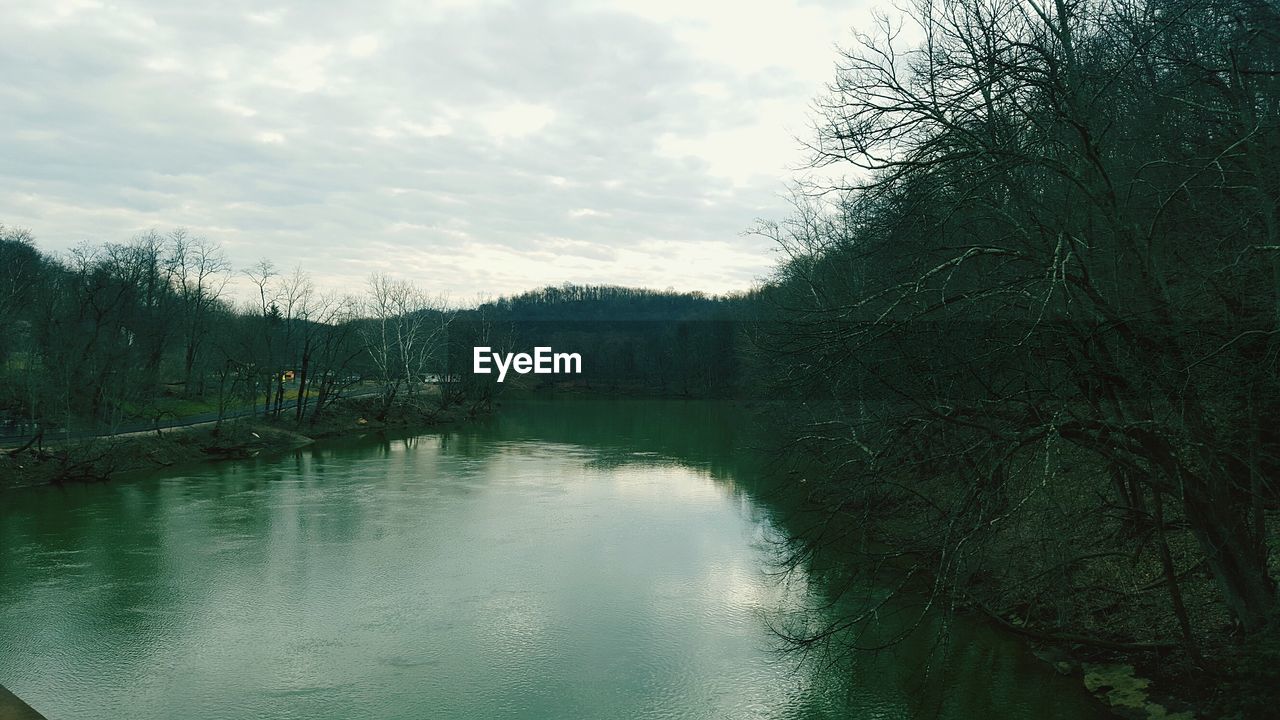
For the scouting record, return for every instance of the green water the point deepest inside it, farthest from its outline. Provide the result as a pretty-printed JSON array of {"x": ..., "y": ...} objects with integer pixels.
[{"x": 573, "y": 559}]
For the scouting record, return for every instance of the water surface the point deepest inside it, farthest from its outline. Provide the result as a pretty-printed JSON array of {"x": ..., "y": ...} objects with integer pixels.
[{"x": 575, "y": 559}]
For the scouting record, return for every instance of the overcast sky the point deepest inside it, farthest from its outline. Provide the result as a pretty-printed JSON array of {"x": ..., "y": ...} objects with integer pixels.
[{"x": 474, "y": 147}]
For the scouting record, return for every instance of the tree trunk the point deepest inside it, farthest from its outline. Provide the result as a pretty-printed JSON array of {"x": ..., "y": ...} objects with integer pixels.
[{"x": 1220, "y": 520}]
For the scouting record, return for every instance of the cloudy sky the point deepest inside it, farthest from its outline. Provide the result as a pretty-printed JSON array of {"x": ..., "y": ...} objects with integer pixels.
[{"x": 474, "y": 147}]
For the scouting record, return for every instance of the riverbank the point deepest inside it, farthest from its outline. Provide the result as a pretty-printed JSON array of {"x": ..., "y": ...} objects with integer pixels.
[
  {"x": 1224, "y": 684},
  {"x": 1089, "y": 592},
  {"x": 102, "y": 458},
  {"x": 1106, "y": 621},
  {"x": 13, "y": 708}
]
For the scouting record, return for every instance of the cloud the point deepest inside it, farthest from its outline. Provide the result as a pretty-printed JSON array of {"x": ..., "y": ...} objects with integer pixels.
[
  {"x": 478, "y": 146},
  {"x": 363, "y": 46},
  {"x": 516, "y": 120}
]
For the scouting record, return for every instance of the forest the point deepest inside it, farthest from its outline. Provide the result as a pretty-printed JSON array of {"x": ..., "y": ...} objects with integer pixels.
[{"x": 1029, "y": 349}]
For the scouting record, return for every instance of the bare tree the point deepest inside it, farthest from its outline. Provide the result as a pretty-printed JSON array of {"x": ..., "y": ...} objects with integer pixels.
[
  {"x": 1052, "y": 250},
  {"x": 264, "y": 361},
  {"x": 199, "y": 272},
  {"x": 405, "y": 333}
]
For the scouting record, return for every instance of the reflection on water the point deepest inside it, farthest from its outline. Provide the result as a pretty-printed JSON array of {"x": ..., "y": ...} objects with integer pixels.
[{"x": 569, "y": 559}]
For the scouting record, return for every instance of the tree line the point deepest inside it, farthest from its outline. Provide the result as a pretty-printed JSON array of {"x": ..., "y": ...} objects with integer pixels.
[
  {"x": 632, "y": 340},
  {"x": 108, "y": 336},
  {"x": 1029, "y": 346}
]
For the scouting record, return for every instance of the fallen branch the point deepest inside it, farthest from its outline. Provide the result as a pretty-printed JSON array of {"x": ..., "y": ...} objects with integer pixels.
[{"x": 1072, "y": 638}]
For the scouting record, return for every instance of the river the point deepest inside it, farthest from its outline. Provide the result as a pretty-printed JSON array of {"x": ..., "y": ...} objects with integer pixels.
[{"x": 566, "y": 559}]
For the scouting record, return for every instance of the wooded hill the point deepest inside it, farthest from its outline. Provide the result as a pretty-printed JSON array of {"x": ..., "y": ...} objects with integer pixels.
[
  {"x": 1030, "y": 349},
  {"x": 632, "y": 341}
]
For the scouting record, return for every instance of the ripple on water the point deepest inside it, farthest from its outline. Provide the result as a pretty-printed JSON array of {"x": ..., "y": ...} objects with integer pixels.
[{"x": 485, "y": 576}]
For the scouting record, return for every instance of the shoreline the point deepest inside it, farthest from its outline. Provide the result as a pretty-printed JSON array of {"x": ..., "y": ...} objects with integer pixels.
[
  {"x": 104, "y": 458},
  {"x": 12, "y": 707}
]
